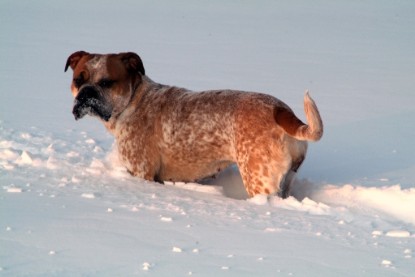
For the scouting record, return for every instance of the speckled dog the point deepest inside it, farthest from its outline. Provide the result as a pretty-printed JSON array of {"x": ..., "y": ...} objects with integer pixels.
[{"x": 170, "y": 133}]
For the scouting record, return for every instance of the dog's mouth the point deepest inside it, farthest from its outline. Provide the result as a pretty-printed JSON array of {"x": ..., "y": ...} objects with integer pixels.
[{"x": 90, "y": 101}]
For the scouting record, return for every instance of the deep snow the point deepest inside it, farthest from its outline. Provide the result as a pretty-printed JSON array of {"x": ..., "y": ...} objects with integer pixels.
[{"x": 67, "y": 208}]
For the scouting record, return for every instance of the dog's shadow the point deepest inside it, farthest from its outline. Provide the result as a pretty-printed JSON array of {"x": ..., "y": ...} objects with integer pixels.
[{"x": 231, "y": 182}]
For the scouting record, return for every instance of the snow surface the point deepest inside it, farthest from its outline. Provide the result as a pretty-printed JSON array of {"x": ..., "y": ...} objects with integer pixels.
[{"x": 67, "y": 208}]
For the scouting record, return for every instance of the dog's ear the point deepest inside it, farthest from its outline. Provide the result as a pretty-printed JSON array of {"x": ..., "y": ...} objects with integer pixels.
[
  {"x": 133, "y": 62},
  {"x": 73, "y": 59}
]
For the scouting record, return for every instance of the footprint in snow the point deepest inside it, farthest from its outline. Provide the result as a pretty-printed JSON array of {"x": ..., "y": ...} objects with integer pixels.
[
  {"x": 177, "y": 250},
  {"x": 408, "y": 253},
  {"x": 166, "y": 219},
  {"x": 146, "y": 266},
  {"x": 386, "y": 263},
  {"x": 14, "y": 190},
  {"x": 88, "y": 195}
]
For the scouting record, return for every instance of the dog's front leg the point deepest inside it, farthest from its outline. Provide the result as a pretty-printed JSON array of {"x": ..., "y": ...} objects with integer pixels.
[
  {"x": 138, "y": 163},
  {"x": 143, "y": 171}
]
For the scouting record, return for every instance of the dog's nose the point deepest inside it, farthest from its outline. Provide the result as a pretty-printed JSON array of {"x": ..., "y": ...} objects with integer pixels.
[
  {"x": 87, "y": 92},
  {"x": 91, "y": 101}
]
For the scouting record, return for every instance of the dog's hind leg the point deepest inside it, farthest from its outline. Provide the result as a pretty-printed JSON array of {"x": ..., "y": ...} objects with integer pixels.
[
  {"x": 262, "y": 177},
  {"x": 290, "y": 176},
  {"x": 285, "y": 185}
]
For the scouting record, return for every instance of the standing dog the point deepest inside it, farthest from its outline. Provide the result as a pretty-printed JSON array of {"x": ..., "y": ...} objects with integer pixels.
[{"x": 167, "y": 133}]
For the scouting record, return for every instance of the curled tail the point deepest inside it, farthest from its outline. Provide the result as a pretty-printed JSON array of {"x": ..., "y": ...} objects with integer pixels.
[{"x": 312, "y": 131}]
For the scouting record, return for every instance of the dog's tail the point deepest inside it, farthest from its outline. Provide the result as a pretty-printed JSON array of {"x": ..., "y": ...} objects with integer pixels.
[{"x": 312, "y": 131}]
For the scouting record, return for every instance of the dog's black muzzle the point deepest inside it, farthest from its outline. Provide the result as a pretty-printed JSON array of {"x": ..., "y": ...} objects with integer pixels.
[{"x": 91, "y": 101}]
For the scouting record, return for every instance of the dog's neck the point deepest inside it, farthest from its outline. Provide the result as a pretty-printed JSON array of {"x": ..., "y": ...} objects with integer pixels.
[
  {"x": 138, "y": 93},
  {"x": 145, "y": 85}
]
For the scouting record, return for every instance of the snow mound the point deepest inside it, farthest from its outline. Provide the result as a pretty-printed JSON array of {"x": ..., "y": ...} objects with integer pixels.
[
  {"x": 391, "y": 200},
  {"x": 305, "y": 205},
  {"x": 291, "y": 203},
  {"x": 398, "y": 234}
]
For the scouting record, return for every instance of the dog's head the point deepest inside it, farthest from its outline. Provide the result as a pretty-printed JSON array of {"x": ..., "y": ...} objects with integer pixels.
[{"x": 103, "y": 85}]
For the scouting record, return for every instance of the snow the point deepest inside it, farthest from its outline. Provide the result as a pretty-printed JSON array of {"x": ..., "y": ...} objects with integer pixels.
[
  {"x": 177, "y": 250},
  {"x": 14, "y": 190},
  {"x": 68, "y": 208}
]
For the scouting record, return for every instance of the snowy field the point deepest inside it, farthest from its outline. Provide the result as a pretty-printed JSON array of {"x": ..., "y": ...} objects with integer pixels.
[{"x": 67, "y": 208}]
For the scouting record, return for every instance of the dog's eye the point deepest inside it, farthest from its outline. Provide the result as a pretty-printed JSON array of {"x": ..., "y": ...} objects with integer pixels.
[
  {"x": 78, "y": 81},
  {"x": 106, "y": 83}
]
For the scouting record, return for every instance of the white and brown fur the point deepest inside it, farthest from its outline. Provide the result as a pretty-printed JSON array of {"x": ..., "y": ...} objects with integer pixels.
[{"x": 170, "y": 133}]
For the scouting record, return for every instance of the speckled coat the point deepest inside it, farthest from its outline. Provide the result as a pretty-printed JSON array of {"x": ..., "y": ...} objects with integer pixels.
[{"x": 169, "y": 133}]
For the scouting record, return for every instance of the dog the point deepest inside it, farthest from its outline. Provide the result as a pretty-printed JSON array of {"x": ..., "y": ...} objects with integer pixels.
[{"x": 167, "y": 133}]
